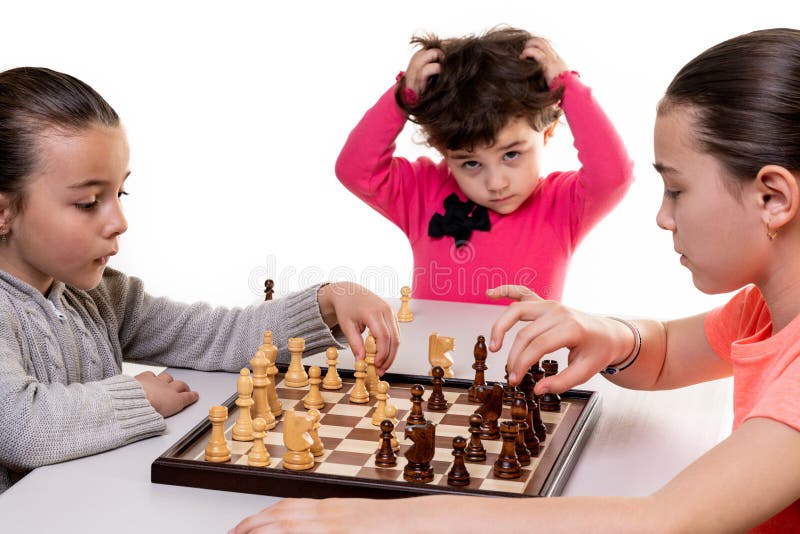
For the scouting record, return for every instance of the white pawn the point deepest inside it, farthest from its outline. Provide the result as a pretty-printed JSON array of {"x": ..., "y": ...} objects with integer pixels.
[
  {"x": 243, "y": 429},
  {"x": 313, "y": 398},
  {"x": 273, "y": 401},
  {"x": 359, "y": 393},
  {"x": 259, "y": 455},
  {"x": 332, "y": 379},
  {"x": 381, "y": 395},
  {"x": 404, "y": 314}
]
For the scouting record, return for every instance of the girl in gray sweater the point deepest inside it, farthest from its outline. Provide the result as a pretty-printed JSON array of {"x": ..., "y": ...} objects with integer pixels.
[{"x": 68, "y": 321}]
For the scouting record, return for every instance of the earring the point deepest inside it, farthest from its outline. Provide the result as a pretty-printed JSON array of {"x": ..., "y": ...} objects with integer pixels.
[
  {"x": 3, "y": 233},
  {"x": 772, "y": 234}
]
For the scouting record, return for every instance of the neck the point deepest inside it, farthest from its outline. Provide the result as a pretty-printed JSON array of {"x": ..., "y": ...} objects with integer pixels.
[{"x": 781, "y": 291}]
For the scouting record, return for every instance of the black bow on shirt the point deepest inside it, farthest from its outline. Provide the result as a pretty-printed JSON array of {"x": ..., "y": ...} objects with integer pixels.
[{"x": 459, "y": 220}]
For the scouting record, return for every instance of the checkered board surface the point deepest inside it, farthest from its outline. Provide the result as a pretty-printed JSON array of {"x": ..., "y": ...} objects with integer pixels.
[{"x": 351, "y": 440}]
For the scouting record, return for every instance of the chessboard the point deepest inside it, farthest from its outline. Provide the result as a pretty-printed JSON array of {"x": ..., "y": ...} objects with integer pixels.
[{"x": 347, "y": 467}]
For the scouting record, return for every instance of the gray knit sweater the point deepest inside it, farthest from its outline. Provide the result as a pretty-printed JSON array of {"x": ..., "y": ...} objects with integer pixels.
[{"x": 61, "y": 392}]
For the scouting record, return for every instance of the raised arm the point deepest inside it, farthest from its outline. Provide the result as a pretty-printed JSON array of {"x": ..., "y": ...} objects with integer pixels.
[
  {"x": 393, "y": 186},
  {"x": 606, "y": 170}
]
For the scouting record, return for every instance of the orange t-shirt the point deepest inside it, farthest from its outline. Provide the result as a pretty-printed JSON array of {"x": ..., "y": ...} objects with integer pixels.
[{"x": 766, "y": 372}]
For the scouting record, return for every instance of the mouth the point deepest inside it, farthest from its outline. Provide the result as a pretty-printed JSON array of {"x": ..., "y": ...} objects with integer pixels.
[
  {"x": 501, "y": 199},
  {"x": 103, "y": 260}
]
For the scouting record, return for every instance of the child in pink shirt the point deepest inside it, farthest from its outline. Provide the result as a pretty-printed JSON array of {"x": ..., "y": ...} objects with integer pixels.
[
  {"x": 727, "y": 146},
  {"x": 483, "y": 216}
]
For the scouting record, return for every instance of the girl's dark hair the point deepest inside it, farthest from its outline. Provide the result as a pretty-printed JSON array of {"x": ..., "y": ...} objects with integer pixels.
[
  {"x": 744, "y": 94},
  {"x": 33, "y": 100},
  {"x": 482, "y": 85}
]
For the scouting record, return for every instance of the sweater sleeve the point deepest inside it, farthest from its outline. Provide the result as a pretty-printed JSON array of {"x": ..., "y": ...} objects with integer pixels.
[
  {"x": 45, "y": 423},
  {"x": 393, "y": 186},
  {"x": 606, "y": 170},
  {"x": 199, "y": 336}
]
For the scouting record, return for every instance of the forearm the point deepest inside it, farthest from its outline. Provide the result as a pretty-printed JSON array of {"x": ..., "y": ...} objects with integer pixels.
[
  {"x": 643, "y": 373},
  {"x": 49, "y": 423},
  {"x": 606, "y": 166},
  {"x": 614, "y": 515}
]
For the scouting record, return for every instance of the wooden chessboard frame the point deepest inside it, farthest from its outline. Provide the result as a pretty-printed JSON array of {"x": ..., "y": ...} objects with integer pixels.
[{"x": 172, "y": 468}]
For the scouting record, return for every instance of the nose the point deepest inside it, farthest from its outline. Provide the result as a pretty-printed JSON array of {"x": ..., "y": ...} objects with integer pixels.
[
  {"x": 116, "y": 223},
  {"x": 664, "y": 218},
  {"x": 497, "y": 182}
]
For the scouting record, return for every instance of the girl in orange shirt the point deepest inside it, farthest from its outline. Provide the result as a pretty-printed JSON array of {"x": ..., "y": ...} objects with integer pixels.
[{"x": 727, "y": 146}]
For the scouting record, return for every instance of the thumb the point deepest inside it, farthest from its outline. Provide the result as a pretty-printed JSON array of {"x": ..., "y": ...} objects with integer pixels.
[{"x": 512, "y": 292}]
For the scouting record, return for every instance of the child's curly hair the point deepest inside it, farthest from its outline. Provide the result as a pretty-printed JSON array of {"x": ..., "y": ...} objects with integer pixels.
[{"x": 482, "y": 85}]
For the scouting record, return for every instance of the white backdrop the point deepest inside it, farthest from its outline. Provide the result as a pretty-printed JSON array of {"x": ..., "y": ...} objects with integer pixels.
[{"x": 236, "y": 112}]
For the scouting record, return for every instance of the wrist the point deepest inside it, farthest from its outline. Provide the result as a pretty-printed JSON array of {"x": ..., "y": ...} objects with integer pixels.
[
  {"x": 631, "y": 356},
  {"x": 560, "y": 79},
  {"x": 325, "y": 302}
]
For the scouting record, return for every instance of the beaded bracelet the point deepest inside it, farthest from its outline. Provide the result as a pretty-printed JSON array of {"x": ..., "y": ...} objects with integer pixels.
[{"x": 637, "y": 348}]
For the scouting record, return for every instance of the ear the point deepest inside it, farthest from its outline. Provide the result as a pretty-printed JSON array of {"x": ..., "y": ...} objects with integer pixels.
[
  {"x": 549, "y": 131},
  {"x": 779, "y": 195},
  {"x": 6, "y": 209}
]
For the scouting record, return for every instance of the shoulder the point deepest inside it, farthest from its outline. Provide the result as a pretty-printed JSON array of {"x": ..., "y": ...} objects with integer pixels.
[{"x": 744, "y": 316}]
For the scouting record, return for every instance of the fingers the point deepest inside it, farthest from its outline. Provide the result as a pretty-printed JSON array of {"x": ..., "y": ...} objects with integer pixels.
[
  {"x": 352, "y": 333},
  {"x": 165, "y": 377},
  {"x": 515, "y": 312},
  {"x": 530, "y": 345},
  {"x": 387, "y": 348},
  {"x": 577, "y": 372},
  {"x": 188, "y": 397},
  {"x": 512, "y": 292},
  {"x": 423, "y": 64}
]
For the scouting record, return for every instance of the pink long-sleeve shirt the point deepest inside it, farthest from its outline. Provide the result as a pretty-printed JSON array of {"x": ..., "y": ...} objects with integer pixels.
[{"x": 531, "y": 246}]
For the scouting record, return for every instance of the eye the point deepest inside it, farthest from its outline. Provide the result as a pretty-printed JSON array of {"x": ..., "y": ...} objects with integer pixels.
[
  {"x": 671, "y": 193},
  {"x": 87, "y": 206},
  {"x": 121, "y": 194},
  {"x": 471, "y": 164},
  {"x": 512, "y": 155}
]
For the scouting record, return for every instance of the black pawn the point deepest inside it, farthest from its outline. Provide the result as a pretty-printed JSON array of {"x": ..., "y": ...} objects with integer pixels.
[
  {"x": 476, "y": 453},
  {"x": 268, "y": 289},
  {"x": 507, "y": 465},
  {"x": 436, "y": 401},
  {"x": 458, "y": 475},
  {"x": 508, "y": 391},
  {"x": 415, "y": 415},
  {"x": 519, "y": 414},
  {"x": 550, "y": 402},
  {"x": 479, "y": 353},
  {"x": 532, "y": 441},
  {"x": 385, "y": 456}
]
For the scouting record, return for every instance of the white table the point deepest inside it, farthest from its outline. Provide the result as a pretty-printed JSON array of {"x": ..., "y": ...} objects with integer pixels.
[{"x": 641, "y": 440}]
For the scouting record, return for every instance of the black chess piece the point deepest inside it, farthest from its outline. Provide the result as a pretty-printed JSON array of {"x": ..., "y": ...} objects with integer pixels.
[
  {"x": 476, "y": 453},
  {"x": 507, "y": 465},
  {"x": 490, "y": 409},
  {"x": 519, "y": 414},
  {"x": 458, "y": 475},
  {"x": 385, "y": 456},
  {"x": 268, "y": 288},
  {"x": 479, "y": 352},
  {"x": 436, "y": 401},
  {"x": 508, "y": 390},
  {"x": 420, "y": 454},
  {"x": 550, "y": 402},
  {"x": 534, "y": 418},
  {"x": 415, "y": 415}
]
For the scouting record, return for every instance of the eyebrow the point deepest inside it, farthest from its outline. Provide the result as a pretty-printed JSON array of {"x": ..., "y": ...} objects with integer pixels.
[
  {"x": 469, "y": 155},
  {"x": 661, "y": 168},
  {"x": 94, "y": 182}
]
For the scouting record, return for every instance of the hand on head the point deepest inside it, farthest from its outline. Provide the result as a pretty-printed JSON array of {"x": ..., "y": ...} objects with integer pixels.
[
  {"x": 593, "y": 342},
  {"x": 355, "y": 308},
  {"x": 168, "y": 396},
  {"x": 542, "y": 51},
  {"x": 423, "y": 64}
]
